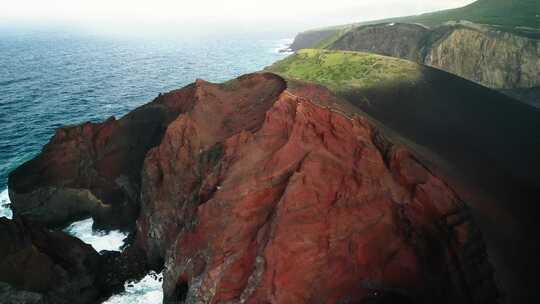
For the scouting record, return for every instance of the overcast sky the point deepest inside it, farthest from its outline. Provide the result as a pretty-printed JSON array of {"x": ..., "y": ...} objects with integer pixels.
[{"x": 208, "y": 15}]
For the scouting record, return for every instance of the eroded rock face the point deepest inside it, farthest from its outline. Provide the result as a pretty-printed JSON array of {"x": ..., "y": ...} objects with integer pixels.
[
  {"x": 310, "y": 39},
  {"x": 291, "y": 202},
  {"x": 179, "y": 170},
  {"x": 93, "y": 168},
  {"x": 38, "y": 265},
  {"x": 407, "y": 41},
  {"x": 494, "y": 59},
  {"x": 61, "y": 268}
]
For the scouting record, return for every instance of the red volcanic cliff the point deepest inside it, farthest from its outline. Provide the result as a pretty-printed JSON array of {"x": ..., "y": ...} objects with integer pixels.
[
  {"x": 266, "y": 198},
  {"x": 94, "y": 168},
  {"x": 254, "y": 193}
]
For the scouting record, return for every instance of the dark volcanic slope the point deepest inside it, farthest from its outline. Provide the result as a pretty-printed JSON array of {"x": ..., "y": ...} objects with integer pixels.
[
  {"x": 530, "y": 96},
  {"x": 461, "y": 119},
  {"x": 435, "y": 108},
  {"x": 480, "y": 138},
  {"x": 260, "y": 193}
]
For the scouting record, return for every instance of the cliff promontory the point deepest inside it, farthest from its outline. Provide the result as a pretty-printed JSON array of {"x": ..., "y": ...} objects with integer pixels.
[{"x": 257, "y": 191}]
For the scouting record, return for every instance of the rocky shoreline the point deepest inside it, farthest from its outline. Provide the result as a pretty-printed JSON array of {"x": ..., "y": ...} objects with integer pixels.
[{"x": 43, "y": 266}]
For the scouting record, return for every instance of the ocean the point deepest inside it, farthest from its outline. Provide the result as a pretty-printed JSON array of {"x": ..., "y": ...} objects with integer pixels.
[{"x": 48, "y": 80}]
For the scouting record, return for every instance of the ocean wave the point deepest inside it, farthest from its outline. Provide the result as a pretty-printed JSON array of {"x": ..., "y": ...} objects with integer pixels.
[
  {"x": 100, "y": 240},
  {"x": 146, "y": 291},
  {"x": 5, "y": 210},
  {"x": 283, "y": 46},
  {"x": 14, "y": 81}
]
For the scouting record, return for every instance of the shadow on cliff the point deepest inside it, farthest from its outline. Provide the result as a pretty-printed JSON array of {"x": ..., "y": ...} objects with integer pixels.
[{"x": 487, "y": 146}]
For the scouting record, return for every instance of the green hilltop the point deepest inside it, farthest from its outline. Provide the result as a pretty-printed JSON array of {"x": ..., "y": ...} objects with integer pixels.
[
  {"x": 342, "y": 71},
  {"x": 505, "y": 14},
  {"x": 520, "y": 17}
]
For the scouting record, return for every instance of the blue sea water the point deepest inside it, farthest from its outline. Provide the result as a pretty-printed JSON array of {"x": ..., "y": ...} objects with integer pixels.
[
  {"x": 54, "y": 79},
  {"x": 48, "y": 80}
]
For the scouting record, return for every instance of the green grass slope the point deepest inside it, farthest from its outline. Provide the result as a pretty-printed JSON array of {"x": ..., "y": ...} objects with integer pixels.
[
  {"x": 485, "y": 143},
  {"x": 521, "y": 17},
  {"x": 512, "y": 15},
  {"x": 343, "y": 71}
]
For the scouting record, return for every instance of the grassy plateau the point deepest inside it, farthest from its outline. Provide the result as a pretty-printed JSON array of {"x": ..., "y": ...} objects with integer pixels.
[{"x": 343, "y": 71}]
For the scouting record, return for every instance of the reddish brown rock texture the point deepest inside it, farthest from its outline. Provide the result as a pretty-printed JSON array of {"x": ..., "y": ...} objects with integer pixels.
[
  {"x": 271, "y": 198},
  {"x": 94, "y": 168},
  {"x": 254, "y": 193}
]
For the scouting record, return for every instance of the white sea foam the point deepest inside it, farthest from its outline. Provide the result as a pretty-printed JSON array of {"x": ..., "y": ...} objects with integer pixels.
[
  {"x": 5, "y": 210},
  {"x": 283, "y": 46},
  {"x": 146, "y": 291},
  {"x": 100, "y": 240}
]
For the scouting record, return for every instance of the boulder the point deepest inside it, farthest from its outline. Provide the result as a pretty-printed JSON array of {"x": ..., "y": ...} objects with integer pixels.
[{"x": 54, "y": 264}]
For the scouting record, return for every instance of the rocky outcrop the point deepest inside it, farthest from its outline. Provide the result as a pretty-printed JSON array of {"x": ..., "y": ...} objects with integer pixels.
[
  {"x": 255, "y": 192},
  {"x": 10, "y": 295},
  {"x": 35, "y": 259},
  {"x": 407, "y": 41},
  {"x": 116, "y": 268},
  {"x": 176, "y": 169},
  {"x": 282, "y": 200},
  {"x": 93, "y": 168},
  {"x": 495, "y": 59},
  {"x": 38, "y": 265},
  {"x": 54, "y": 265},
  {"x": 310, "y": 39}
]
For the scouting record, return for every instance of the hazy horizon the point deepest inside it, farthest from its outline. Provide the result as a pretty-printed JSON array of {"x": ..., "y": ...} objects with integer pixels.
[{"x": 162, "y": 17}]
